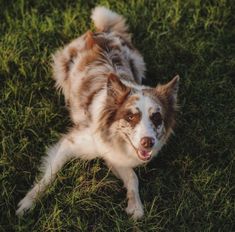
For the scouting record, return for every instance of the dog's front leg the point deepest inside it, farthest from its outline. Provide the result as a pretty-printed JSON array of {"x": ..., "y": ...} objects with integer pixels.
[
  {"x": 76, "y": 144},
  {"x": 130, "y": 179},
  {"x": 57, "y": 156}
]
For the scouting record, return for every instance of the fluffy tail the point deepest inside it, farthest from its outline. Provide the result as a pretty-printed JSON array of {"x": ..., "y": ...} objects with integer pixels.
[{"x": 107, "y": 20}]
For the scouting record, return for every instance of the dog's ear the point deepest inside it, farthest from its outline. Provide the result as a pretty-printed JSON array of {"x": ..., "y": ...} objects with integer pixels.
[
  {"x": 116, "y": 89},
  {"x": 169, "y": 90}
]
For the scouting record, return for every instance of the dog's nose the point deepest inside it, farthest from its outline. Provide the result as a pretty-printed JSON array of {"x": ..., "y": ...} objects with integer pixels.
[{"x": 147, "y": 142}]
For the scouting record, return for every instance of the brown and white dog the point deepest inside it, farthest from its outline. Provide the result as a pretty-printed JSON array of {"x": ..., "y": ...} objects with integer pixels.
[{"x": 115, "y": 117}]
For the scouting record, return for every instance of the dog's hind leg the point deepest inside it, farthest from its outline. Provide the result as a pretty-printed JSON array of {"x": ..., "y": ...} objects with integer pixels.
[{"x": 56, "y": 157}]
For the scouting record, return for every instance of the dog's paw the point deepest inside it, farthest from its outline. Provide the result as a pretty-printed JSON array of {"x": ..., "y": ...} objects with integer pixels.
[
  {"x": 136, "y": 210},
  {"x": 24, "y": 205}
]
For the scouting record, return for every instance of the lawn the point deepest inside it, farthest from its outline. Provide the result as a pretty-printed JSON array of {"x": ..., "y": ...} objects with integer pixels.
[{"x": 190, "y": 186}]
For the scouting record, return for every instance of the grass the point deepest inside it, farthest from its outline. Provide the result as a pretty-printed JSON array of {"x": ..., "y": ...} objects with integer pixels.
[{"x": 190, "y": 186}]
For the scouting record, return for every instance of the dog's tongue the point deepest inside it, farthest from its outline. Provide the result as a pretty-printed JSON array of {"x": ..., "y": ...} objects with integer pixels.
[{"x": 144, "y": 154}]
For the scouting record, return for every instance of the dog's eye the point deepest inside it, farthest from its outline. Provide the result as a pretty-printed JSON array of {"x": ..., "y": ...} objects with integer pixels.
[
  {"x": 130, "y": 117},
  {"x": 156, "y": 118}
]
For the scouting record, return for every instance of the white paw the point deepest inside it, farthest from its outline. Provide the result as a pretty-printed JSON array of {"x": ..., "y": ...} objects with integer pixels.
[
  {"x": 25, "y": 204},
  {"x": 136, "y": 210}
]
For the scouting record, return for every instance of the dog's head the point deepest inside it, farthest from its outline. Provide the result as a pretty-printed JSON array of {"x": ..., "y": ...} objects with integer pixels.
[{"x": 141, "y": 118}]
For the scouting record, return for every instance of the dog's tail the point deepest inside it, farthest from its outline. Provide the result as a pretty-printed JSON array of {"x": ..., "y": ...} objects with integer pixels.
[{"x": 106, "y": 20}]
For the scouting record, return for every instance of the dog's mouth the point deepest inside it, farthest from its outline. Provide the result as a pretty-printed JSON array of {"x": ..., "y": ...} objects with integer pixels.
[{"x": 143, "y": 154}]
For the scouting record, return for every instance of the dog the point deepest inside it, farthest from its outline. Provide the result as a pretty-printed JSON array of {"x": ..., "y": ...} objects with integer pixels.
[{"x": 114, "y": 116}]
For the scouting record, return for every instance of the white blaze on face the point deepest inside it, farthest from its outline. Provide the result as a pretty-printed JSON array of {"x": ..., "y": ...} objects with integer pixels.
[{"x": 145, "y": 128}]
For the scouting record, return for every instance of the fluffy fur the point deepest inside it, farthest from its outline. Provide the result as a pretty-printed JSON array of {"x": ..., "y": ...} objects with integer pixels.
[{"x": 114, "y": 116}]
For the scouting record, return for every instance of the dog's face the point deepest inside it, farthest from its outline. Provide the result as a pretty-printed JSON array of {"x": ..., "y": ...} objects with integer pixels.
[
  {"x": 140, "y": 123},
  {"x": 143, "y": 118}
]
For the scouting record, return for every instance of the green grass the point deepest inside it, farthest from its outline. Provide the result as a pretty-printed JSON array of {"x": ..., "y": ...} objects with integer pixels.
[{"x": 190, "y": 186}]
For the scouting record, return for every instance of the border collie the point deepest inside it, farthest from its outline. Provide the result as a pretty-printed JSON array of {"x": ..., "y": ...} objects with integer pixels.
[{"x": 114, "y": 116}]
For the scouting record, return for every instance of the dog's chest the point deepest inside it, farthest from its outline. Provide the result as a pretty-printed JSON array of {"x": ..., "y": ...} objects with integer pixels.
[{"x": 118, "y": 156}]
